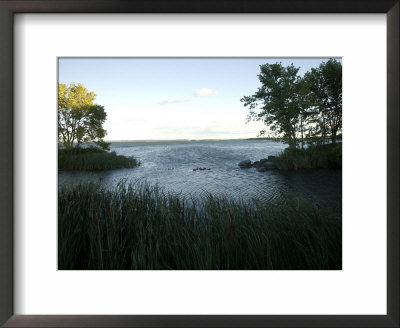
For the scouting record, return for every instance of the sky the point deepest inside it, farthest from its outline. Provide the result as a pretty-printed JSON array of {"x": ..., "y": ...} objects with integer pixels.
[{"x": 174, "y": 98}]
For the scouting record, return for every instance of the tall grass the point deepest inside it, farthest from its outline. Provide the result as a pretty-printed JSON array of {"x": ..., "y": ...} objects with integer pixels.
[
  {"x": 315, "y": 156},
  {"x": 94, "y": 161},
  {"x": 141, "y": 227}
]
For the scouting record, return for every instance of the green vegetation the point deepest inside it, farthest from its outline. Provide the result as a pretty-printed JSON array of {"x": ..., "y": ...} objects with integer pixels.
[
  {"x": 141, "y": 227},
  {"x": 80, "y": 122},
  {"x": 92, "y": 159},
  {"x": 315, "y": 156},
  {"x": 79, "y": 119},
  {"x": 296, "y": 108}
]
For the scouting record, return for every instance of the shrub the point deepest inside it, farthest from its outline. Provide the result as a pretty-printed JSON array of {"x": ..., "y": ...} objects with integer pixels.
[
  {"x": 315, "y": 156},
  {"x": 93, "y": 159},
  {"x": 80, "y": 150}
]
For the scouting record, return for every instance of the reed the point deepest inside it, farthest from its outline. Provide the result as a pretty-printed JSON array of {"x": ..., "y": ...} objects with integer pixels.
[
  {"x": 136, "y": 226},
  {"x": 94, "y": 161},
  {"x": 315, "y": 156}
]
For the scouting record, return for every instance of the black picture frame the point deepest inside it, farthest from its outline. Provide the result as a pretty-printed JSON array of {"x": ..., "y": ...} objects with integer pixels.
[{"x": 7, "y": 10}]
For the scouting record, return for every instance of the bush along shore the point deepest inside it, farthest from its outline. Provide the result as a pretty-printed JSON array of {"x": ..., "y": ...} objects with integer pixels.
[
  {"x": 93, "y": 159},
  {"x": 141, "y": 227},
  {"x": 328, "y": 156}
]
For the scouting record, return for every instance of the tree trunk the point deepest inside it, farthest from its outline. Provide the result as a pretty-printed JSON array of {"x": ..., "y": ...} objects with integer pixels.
[
  {"x": 294, "y": 145},
  {"x": 302, "y": 134},
  {"x": 323, "y": 130},
  {"x": 333, "y": 136}
]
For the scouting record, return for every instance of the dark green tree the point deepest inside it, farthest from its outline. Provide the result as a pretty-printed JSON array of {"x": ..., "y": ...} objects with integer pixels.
[
  {"x": 280, "y": 102},
  {"x": 79, "y": 119},
  {"x": 325, "y": 85}
]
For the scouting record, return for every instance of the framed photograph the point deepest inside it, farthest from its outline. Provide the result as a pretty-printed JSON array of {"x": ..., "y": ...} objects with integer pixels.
[
  {"x": 164, "y": 151},
  {"x": 208, "y": 164}
]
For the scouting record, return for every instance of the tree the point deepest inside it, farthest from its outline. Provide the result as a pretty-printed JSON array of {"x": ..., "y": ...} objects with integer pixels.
[
  {"x": 281, "y": 101},
  {"x": 79, "y": 119},
  {"x": 325, "y": 83}
]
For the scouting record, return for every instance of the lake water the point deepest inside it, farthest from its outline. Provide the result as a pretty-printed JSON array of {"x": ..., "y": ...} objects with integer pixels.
[{"x": 170, "y": 164}]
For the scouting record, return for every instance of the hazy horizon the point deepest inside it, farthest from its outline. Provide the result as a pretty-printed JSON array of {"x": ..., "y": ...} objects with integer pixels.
[{"x": 188, "y": 139}]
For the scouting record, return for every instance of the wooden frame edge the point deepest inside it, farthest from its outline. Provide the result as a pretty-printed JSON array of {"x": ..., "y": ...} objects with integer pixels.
[{"x": 7, "y": 10}]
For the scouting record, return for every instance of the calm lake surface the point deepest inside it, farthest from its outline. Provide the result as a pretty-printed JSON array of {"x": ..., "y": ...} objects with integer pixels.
[{"x": 170, "y": 164}]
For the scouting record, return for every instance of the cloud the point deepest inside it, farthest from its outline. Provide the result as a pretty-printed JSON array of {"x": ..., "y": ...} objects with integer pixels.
[
  {"x": 205, "y": 92},
  {"x": 175, "y": 101}
]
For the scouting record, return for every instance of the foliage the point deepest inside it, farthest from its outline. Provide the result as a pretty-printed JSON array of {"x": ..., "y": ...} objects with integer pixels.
[
  {"x": 314, "y": 156},
  {"x": 280, "y": 100},
  {"x": 93, "y": 159},
  {"x": 325, "y": 84},
  {"x": 296, "y": 108},
  {"x": 140, "y": 227},
  {"x": 79, "y": 119},
  {"x": 81, "y": 150}
]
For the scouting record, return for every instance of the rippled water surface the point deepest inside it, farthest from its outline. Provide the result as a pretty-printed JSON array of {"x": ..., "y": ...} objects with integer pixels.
[{"x": 170, "y": 164}]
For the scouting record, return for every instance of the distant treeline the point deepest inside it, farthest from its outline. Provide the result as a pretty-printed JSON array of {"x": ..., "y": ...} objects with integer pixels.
[{"x": 264, "y": 138}]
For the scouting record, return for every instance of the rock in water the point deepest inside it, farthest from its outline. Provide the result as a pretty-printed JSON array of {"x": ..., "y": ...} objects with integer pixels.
[
  {"x": 261, "y": 169},
  {"x": 245, "y": 164},
  {"x": 270, "y": 158},
  {"x": 269, "y": 165}
]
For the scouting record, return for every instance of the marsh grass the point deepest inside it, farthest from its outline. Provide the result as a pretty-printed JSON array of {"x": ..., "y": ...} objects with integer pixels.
[
  {"x": 94, "y": 161},
  {"x": 140, "y": 227},
  {"x": 315, "y": 156}
]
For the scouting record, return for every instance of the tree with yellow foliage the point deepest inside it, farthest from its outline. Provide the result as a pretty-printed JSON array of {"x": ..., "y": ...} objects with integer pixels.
[{"x": 79, "y": 119}]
